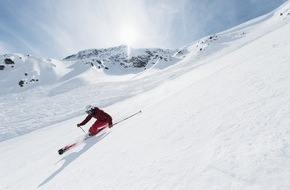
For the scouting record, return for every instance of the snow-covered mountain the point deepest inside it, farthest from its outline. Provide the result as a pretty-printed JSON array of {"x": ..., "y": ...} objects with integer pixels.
[
  {"x": 26, "y": 70},
  {"x": 124, "y": 57},
  {"x": 18, "y": 70},
  {"x": 216, "y": 117}
]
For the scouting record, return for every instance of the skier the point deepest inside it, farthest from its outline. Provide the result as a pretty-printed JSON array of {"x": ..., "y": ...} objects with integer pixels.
[{"x": 103, "y": 119}]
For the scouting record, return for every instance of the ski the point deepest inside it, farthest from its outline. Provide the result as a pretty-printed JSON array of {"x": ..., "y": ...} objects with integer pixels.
[{"x": 70, "y": 146}]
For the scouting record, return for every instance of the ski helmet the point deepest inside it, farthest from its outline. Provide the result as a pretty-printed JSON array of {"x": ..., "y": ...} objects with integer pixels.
[{"x": 89, "y": 109}]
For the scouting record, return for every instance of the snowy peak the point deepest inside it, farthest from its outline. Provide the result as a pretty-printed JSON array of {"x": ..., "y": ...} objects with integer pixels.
[
  {"x": 25, "y": 71},
  {"x": 18, "y": 70},
  {"x": 90, "y": 53},
  {"x": 123, "y": 57},
  {"x": 222, "y": 43}
]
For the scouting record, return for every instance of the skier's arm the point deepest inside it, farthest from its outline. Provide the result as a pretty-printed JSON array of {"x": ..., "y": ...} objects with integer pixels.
[{"x": 88, "y": 118}]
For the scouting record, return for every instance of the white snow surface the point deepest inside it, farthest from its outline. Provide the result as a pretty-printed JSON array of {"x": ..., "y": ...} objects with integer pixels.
[{"x": 218, "y": 119}]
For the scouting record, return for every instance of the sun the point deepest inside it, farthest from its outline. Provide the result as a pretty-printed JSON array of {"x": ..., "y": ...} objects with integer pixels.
[{"x": 128, "y": 35}]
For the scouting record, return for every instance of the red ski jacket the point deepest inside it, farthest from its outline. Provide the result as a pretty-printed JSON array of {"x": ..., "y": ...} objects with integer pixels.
[{"x": 100, "y": 115}]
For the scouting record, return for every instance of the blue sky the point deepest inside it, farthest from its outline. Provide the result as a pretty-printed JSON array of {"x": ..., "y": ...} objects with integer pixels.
[{"x": 58, "y": 28}]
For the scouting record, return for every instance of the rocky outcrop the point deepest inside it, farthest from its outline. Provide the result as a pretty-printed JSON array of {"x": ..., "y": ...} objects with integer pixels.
[{"x": 123, "y": 56}]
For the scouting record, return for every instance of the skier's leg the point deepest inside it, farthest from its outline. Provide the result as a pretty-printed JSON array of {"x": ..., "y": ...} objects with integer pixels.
[{"x": 97, "y": 126}]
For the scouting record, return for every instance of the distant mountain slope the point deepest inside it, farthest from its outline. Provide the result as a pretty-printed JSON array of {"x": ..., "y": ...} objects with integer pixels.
[
  {"x": 124, "y": 59},
  {"x": 25, "y": 71},
  {"x": 17, "y": 70}
]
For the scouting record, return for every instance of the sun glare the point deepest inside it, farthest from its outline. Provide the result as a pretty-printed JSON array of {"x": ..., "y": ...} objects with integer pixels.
[{"x": 128, "y": 35}]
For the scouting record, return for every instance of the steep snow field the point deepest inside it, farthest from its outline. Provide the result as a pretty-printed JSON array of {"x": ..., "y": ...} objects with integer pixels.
[{"x": 218, "y": 119}]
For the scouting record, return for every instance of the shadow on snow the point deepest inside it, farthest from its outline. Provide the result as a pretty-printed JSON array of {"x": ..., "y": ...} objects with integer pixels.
[{"x": 73, "y": 156}]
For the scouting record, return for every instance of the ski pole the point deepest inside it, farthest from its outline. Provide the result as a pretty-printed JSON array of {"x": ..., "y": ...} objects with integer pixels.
[
  {"x": 82, "y": 129},
  {"x": 126, "y": 118}
]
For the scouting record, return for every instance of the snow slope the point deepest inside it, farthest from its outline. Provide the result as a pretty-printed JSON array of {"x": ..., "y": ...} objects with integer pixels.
[
  {"x": 50, "y": 91},
  {"x": 218, "y": 119}
]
